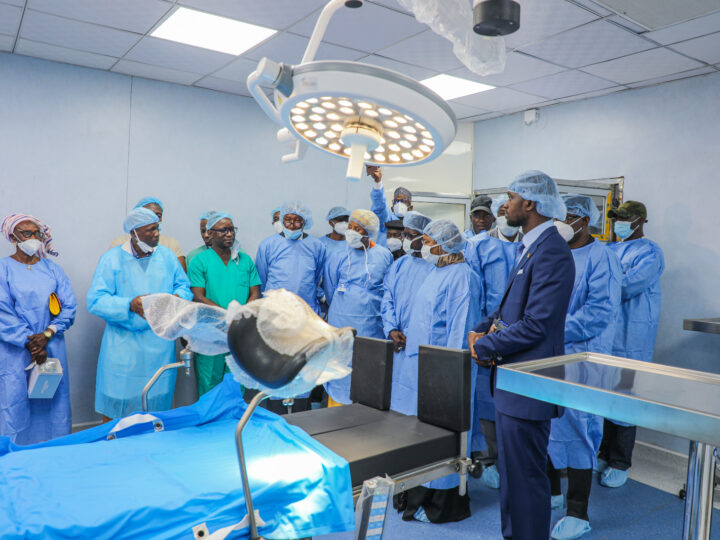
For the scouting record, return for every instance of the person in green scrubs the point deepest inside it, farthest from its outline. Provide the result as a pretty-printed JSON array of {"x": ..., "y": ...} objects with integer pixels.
[
  {"x": 218, "y": 276},
  {"x": 206, "y": 237}
]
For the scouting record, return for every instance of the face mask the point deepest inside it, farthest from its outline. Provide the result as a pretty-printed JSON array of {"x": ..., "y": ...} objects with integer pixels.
[
  {"x": 354, "y": 239},
  {"x": 565, "y": 230},
  {"x": 30, "y": 247},
  {"x": 400, "y": 209},
  {"x": 341, "y": 227},
  {"x": 292, "y": 235},
  {"x": 394, "y": 244},
  {"x": 407, "y": 245},
  {"x": 142, "y": 245},
  {"x": 429, "y": 257},
  {"x": 278, "y": 227},
  {"x": 506, "y": 230},
  {"x": 624, "y": 229}
]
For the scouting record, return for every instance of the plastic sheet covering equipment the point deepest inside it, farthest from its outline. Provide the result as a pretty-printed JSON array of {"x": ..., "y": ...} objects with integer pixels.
[{"x": 147, "y": 484}]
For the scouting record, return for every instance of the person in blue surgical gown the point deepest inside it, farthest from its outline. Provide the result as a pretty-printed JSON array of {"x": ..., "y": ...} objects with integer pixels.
[
  {"x": 446, "y": 307},
  {"x": 130, "y": 352},
  {"x": 353, "y": 285},
  {"x": 401, "y": 205},
  {"x": 589, "y": 327},
  {"x": 402, "y": 282},
  {"x": 32, "y": 329},
  {"x": 337, "y": 217},
  {"x": 642, "y": 264}
]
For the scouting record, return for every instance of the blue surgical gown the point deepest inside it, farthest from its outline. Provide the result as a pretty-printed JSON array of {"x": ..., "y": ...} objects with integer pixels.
[
  {"x": 354, "y": 289},
  {"x": 445, "y": 309},
  {"x": 642, "y": 265},
  {"x": 24, "y": 294},
  {"x": 380, "y": 208},
  {"x": 402, "y": 282},
  {"x": 130, "y": 353},
  {"x": 589, "y": 327},
  {"x": 293, "y": 265}
]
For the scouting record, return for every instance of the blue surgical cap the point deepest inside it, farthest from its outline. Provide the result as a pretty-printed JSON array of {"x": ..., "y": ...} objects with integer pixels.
[
  {"x": 149, "y": 200},
  {"x": 447, "y": 234},
  {"x": 139, "y": 217},
  {"x": 582, "y": 205},
  {"x": 336, "y": 212},
  {"x": 539, "y": 187},
  {"x": 415, "y": 220},
  {"x": 206, "y": 215},
  {"x": 299, "y": 209},
  {"x": 214, "y": 217},
  {"x": 276, "y": 209},
  {"x": 403, "y": 191},
  {"x": 497, "y": 203}
]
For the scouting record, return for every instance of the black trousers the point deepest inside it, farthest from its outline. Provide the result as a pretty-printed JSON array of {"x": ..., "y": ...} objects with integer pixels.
[
  {"x": 578, "y": 494},
  {"x": 617, "y": 445}
]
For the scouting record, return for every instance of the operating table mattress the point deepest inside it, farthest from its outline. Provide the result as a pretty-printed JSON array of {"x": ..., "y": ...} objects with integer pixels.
[
  {"x": 376, "y": 443},
  {"x": 147, "y": 484}
]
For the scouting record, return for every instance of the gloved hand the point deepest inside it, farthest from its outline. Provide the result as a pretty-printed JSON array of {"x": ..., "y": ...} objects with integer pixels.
[{"x": 398, "y": 339}]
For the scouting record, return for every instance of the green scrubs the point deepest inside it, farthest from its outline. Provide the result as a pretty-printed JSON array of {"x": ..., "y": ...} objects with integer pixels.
[
  {"x": 222, "y": 285},
  {"x": 191, "y": 255}
]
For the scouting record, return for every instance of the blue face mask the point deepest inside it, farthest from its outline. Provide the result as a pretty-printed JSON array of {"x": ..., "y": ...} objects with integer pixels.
[
  {"x": 624, "y": 229},
  {"x": 292, "y": 235}
]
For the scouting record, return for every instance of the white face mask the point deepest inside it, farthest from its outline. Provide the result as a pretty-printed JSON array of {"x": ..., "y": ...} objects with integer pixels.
[
  {"x": 429, "y": 257},
  {"x": 341, "y": 227},
  {"x": 30, "y": 247},
  {"x": 506, "y": 230},
  {"x": 354, "y": 239},
  {"x": 407, "y": 245},
  {"x": 565, "y": 230},
  {"x": 142, "y": 245},
  {"x": 400, "y": 209},
  {"x": 394, "y": 244},
  {"x": 278, "y": 227}
]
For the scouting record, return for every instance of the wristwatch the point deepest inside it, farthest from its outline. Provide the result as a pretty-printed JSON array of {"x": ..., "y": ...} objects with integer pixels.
[{"x": 48, "y": 334}]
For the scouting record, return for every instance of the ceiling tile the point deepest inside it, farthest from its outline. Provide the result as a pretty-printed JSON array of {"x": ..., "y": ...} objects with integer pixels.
[
  {"x": 587, "y": 95},
  {"x": 499, "y": 99},
  {"x": 644, "y": 65},
  {"x": 20, "y": 3},
  {"x": 626, "y": 23},
  {"x": 161, "y": 52},
  {"x": 392, "y": 4},
  {"x": 464, "y": 111},
  {"x": 128, "y": 67},
  {"x": 687, "y": 30},
  {"x": 278, "y": 14},
  {"x": 10, "y": 19},
  {"x": 590, "y": 44},
  {"x": 61, "y": 54},
  {"x": 593, "y": 6},
  {"x": 674, "y": 77},
  {"x": 415, "y": 72},
  {"x": 543, "y": 18},
  {"x": 6, "y": 42},
  {"x": 81, "y": 36},
  {"x": 705, "y": 48},
  {"x": 237, "y": 70},
  {"x": 290, "y": 48},
  {"x": 368, "y": 28},
  {"x": 654, "y": 14},
  {"x": 132, "y": 15},
  {"x": 486, "y": 116},
  {"x": 427, "y": 49},
  {"x": 568, "y": 83},
  {"x": 224, "y": 85},
  {"x": 518, "y": 67}
]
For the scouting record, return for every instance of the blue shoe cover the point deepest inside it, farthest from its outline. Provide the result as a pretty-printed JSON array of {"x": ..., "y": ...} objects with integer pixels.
[
  {"x": 421, "y": 516},
  {"x": 600, "y": 467},
  {"x": 557, "y": 501},
  {"x": 613, "y": 477},
  {"x": 569, "y": 528},
  {"x": 491, "y": 477}
]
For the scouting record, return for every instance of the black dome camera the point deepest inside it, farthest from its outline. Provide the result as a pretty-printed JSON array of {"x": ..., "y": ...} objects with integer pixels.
[{"x": 496, "y": 17}]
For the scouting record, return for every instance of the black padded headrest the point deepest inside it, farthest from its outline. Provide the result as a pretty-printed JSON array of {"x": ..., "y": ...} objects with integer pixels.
[
  {"x": 252, "y": 354},
  {"x": 372, "y": 366},
  {"x": 444, "y": 387}
]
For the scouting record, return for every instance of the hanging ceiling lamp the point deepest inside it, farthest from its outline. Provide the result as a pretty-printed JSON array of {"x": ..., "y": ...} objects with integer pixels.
[{"x": 357, "y": 111}]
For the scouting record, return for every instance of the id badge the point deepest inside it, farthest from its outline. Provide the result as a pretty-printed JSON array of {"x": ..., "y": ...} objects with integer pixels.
[{"x": 342, "y": 288}]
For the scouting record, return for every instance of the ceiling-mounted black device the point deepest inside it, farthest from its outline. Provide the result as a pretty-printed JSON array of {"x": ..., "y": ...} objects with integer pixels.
[{"x": 496, "y": 17}]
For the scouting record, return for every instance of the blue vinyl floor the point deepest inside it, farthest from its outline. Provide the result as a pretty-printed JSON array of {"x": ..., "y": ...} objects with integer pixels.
[{"x": 632, "y": 512}]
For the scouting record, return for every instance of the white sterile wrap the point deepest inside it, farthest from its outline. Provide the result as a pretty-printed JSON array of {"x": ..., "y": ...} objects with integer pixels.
[{"x": 452, "y": 19}]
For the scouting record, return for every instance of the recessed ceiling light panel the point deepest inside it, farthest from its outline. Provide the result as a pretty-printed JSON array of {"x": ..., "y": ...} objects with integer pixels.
[{"x": 449, "y": 87}]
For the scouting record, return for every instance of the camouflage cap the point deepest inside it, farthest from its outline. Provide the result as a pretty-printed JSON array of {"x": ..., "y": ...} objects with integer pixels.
[{"x": 628, "y": 209}]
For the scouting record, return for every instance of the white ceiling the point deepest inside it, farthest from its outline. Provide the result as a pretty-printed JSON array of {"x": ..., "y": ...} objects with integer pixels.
[{"x": 565, "y": 50}]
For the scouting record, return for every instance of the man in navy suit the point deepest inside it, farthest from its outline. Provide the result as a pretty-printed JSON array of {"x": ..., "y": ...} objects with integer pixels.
[{"x": 529, "y": 324}]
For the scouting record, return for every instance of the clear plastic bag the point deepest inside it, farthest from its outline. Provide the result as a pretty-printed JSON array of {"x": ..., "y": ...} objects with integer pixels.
[{"x": 453, "y": 20}]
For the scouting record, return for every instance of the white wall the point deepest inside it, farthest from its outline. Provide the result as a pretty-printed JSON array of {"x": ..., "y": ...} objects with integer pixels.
[
  {"x": 665, "y": 141},
  {"x": 79, "y": 146}
]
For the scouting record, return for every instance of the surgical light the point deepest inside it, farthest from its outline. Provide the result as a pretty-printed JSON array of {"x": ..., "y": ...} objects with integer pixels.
[{"x": 366, "y": 111}]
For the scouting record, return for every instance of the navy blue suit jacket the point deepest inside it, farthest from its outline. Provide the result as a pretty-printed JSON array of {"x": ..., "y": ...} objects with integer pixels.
[{"x": 534, "y": 308}]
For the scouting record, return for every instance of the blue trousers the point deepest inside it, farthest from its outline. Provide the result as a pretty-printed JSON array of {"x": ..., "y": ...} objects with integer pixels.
[{"x": 524, "y": 484}]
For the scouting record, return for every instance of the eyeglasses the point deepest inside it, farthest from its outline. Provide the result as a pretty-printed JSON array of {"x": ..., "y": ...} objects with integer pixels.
[
  {"x": 226, "y": 230},
  {"x": 299, "y": 221},
  {"x": 411, "y": 236},
  {"x": 29, "y": 234}
]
